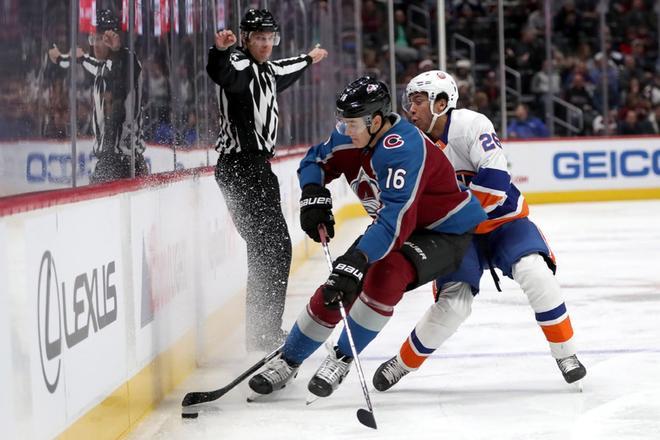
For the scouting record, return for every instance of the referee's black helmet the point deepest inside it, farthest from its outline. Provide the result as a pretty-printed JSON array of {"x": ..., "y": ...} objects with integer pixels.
[{"x": 256, "y": 20}]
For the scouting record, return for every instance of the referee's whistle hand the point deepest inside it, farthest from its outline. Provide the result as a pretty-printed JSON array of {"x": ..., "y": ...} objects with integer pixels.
[
  {"x": 224, "y": 39},
  {"x": 317, "y": 54}
]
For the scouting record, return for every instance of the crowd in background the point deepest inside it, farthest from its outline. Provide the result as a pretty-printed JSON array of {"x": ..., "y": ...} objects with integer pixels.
[
  {"x": 34, "y": 101},
  {"x": 631, "y": 60}
]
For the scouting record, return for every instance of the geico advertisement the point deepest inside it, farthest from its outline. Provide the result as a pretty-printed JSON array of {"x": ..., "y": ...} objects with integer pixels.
[
  {"x": 7, "y": 417},
  {"x": 32, "y": 166},
  {"x": 76, "y": 310},
  {"x": 163, "y": 249},
  {"x": 585, "y": 164}
]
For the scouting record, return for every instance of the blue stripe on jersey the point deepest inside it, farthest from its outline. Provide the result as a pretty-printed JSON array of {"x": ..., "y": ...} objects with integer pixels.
[
  {"x": 418, "y": 345},
  {"x": 491, "y": 178},
  {"x": 361, "y": 336},
  {"x": 298, "y": 346},
  {"x": 463, "y": 220},
  {"x": 510, "y": 204},
  {"x": 310, "y": 171},
  {"x": 551, "y": 314}
]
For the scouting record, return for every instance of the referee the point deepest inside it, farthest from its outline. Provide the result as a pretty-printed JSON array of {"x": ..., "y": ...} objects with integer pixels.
[
  {"x": 249, "y": 83},
  {"x": 117, "y": 115}
]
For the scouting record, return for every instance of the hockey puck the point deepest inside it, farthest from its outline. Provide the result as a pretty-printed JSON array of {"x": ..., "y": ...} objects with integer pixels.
[{"x": 189, "y": 415}]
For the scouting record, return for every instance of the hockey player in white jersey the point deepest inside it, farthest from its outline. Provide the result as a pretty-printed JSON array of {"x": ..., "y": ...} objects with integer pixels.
[{"x": 507, "y": 240}]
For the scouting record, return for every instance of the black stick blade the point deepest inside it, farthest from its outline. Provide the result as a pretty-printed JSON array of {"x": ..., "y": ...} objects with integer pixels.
[
  {"x": 197, "y": 397},
  {"x": 366, "y": 418}
]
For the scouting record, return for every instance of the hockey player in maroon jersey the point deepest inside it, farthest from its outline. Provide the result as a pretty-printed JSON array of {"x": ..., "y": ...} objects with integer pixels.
[{"x": 422, "y": 224}]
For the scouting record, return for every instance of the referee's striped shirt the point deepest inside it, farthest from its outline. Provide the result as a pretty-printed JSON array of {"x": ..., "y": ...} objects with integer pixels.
[
  {"x": 247, "y": 98},
  {"x": 119, "y": 128}
]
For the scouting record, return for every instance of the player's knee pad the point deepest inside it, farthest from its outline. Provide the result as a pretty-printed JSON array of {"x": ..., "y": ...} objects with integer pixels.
[
  {"x": 443, "y": 318},
  {"x": 536, "y": 279},
  {"x": 434, "y": 254}
]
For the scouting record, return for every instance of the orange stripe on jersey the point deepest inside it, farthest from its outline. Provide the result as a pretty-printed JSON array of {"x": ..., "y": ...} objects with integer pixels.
[
  {"x": 409, "y": 357},
  {"x": 560, "y": 332},
  {"x": 487, "y": 199},
  {"x": 440, "y": 144},
  {"x": 552, "y": 254},
  {"x": 490, "y": 225}
]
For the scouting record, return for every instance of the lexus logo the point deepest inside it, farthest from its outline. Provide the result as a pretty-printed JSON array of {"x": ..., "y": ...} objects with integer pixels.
[
  {"x": 48, "y": 306},
  {"x": 83, "y": 306}
]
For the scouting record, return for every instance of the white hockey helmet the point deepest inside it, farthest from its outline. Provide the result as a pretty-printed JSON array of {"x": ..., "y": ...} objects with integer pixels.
[{"x": 433, "y": 83}]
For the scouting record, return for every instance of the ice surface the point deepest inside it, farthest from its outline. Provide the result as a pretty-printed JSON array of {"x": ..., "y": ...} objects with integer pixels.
[{"x": 495, "y": 378}]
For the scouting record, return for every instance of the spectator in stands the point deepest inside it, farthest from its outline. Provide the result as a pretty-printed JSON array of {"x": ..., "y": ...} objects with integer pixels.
[
  {"x": 654, "y": 119},
  {"x": 567, "y": 24},
  {"x": 598, "y": 125},
  {"x": 634, "y": 90},
  {"x": 578, "y": 95},
  {"x": 424, "y": 66},
  {"x": 374, "y": 25},
  {"x": 463, "y": 77},
  {"x": 652, "y": 90},
  {"x": 526, "y": 126},
  {"x": 481, "y": 104},
  {"x": 596, "y": 73},
  {"x": 403, "y": 48},
  {"x": 544, "y": 81},
  {"x": 528, "y": 56},
  {"x": 629, "y": 71},
  {"x": 373, "y": 63},
  {"x": 638, "y": 16},
  {"x": 632, "y": 125},
  {"x": 491, "y": 86}
]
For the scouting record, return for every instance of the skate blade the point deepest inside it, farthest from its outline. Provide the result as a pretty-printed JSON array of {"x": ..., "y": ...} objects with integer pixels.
[
  {"x": 578, "y": 386},
  {"x": 255, "y": 397},
  {"x": 311, "y": 398}
]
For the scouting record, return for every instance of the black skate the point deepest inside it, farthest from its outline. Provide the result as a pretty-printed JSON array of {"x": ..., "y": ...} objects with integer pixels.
[
  {"x": 571, "y": 368},
  {"x": 267, "y": 341},
  {"x": 277, "y": 374},
  {"x": 389, "y": 373},
  {"x": 330, "y": 374}
]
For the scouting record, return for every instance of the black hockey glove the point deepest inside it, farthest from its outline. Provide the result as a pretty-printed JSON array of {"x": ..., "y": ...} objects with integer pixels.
[
  {"x": 345, "y": 281},
  {"x": 316, "y": 209}
]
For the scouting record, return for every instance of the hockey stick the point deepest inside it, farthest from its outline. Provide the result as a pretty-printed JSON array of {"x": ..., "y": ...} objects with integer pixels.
[
  {"x": 197, "y": 397},
  {"x": 366, "y": 417}
]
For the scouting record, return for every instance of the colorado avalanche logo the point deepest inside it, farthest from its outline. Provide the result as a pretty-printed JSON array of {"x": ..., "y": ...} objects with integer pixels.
[
  {"x": 392, "y": 141},
  {"x": 366, "y": 188}
]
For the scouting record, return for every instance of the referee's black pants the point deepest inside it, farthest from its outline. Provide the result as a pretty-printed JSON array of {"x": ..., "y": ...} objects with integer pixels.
[{"x": 252, "y": 193}]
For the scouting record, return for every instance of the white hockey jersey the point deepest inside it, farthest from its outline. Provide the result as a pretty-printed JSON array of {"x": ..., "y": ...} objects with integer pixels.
[{"x": 472, "y": 146}]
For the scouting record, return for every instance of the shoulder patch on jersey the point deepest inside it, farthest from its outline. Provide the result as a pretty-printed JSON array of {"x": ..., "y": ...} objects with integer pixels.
[{"x": 392, "y": 141}]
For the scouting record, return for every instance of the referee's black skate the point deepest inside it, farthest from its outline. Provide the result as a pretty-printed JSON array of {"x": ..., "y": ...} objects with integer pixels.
[
  {"x": 389, "y": 374},
  {"x": 571, "y": 368},
  {"x": 277, "y": 374},
  {"x": 330, "y": 374}
]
